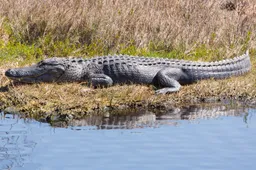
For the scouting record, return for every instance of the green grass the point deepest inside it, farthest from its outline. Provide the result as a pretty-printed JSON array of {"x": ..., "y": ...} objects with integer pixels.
[
  {"x": 17, "y": 48},
  {"x": 26, "y": 54}
]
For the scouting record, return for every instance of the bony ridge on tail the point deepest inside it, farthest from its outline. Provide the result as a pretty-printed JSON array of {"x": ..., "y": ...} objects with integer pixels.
[{"x": 166, "y": 74}]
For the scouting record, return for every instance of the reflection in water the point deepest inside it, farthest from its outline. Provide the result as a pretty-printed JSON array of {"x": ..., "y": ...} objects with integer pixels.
[
  {"x": 20, "y": 138},
  {"x": 143, "y": 118},
  {"x": 15, "y": 147}
]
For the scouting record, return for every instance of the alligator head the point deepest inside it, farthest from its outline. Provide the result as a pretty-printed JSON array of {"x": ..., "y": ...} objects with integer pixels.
[{"x": 48, "y": 70}]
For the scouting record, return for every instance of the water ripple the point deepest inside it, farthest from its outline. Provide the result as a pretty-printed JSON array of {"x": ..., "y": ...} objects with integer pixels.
[{"x": 15, "y": 148}]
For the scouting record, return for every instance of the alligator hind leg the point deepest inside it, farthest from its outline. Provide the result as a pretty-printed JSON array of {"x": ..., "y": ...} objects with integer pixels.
[{"x": 167, "y": 79}]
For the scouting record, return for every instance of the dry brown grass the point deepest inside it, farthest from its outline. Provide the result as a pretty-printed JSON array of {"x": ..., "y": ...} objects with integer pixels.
[{"x": 170, "y": 22}]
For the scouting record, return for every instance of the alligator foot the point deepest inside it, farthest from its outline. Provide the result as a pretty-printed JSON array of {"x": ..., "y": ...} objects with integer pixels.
[
  {"x": 166, "y": 90},
  {"x": 167, "y": 78}
]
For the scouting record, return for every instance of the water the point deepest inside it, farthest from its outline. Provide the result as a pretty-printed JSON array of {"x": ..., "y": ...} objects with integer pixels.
[{"x": 192, "y": 138}]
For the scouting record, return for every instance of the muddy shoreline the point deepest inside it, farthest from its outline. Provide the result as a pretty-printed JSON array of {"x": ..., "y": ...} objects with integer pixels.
[{"x": 58, "y": 117}]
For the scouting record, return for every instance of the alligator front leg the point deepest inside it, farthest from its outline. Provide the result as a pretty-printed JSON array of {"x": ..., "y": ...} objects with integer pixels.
[
  {"x": 167, "y": 79},
  {"x": 100, "y": 80}
]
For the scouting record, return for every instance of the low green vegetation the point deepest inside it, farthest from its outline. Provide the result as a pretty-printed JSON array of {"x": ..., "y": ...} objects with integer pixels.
[{"x": 26, "y": 54}]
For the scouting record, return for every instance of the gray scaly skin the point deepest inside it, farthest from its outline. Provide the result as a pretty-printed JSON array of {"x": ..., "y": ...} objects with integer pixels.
[{"x": 166, "y": 74}]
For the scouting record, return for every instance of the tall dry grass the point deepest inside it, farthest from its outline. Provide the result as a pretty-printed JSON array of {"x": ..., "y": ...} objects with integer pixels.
[{"x": 137, "y": 22}]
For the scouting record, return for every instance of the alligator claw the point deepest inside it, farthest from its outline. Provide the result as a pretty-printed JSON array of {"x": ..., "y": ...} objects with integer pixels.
[{"x": 166, "y": 90}]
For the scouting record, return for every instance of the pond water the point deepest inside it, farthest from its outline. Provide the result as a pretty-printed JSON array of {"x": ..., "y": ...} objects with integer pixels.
[{"x": 192, "y": 138}]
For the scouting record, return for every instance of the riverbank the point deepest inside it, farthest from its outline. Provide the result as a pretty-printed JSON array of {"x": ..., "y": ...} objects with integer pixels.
[{"x": 77, "y": 100}]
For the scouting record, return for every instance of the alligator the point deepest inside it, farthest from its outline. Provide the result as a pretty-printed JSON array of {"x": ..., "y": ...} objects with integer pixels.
[{"x": 166, "y": 74}]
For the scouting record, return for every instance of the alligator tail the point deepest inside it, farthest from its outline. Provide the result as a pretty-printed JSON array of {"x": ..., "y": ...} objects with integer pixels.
[{"x": 221, "y": 69}]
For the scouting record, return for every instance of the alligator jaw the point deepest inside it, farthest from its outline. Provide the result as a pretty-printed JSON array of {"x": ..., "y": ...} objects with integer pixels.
[{"x": 26, "y": 74}]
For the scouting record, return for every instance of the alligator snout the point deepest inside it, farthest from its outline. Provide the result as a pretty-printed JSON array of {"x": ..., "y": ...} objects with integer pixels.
[
  {"x": 19, "y": 73},
  {"x": 10, "y": 73}
]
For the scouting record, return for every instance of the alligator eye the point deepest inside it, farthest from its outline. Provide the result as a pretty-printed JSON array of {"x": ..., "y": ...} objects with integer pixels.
[{"x": 40, "y": 64}]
